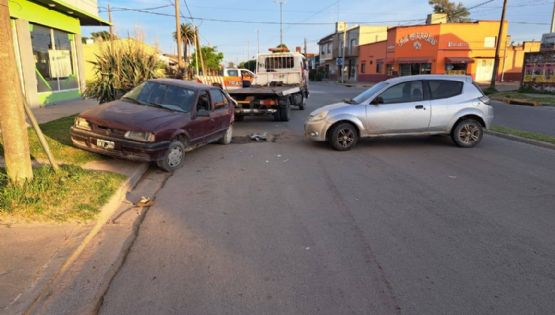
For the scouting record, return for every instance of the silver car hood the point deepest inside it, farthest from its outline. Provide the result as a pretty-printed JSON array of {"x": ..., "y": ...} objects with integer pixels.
[{"x": 330, "y": 107}]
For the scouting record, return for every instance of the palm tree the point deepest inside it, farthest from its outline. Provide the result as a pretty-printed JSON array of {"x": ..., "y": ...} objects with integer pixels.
[{"x": 187, "y": 37}]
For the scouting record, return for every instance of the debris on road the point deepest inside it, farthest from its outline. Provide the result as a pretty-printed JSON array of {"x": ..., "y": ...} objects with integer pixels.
[
  {"x": 144, "y": 202},
  {"x": 259, "y": 137}
]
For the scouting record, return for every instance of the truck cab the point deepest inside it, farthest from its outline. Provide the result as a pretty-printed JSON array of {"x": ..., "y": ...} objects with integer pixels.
[{"x": 238, "y": 74}]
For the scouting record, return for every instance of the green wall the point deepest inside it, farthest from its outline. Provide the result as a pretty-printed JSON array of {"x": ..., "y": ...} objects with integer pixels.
[
  {"x": 46, "y": 98},
  {"x": 35, "y": 13}
]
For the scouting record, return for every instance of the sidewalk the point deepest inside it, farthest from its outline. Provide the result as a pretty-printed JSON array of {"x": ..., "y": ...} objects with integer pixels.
[
  {"x": 53, "y": 112},
  {"x": 32, "y": 253}
]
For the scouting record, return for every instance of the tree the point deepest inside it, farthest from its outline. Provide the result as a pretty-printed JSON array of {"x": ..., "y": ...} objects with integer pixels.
[
  {"x": 102, "y": 35},
  {"x": 119, "y": 67},
  {"x": 187, "y": 37},
  {"x": 456, "y": 12},
  {"x": 12, "y": 118},
  {"x": 251, "y": 65},
  {"x": 212, "y": 58}
]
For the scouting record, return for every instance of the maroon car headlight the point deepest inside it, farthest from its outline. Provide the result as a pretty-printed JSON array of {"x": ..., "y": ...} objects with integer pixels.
[
  {"x": 82, "y": 123},
  {"x": 140, "y": 136}
]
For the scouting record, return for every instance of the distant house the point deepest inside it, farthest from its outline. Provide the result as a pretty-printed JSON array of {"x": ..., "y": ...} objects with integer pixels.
[
  {"x": 332, "y": 61},
  {"x": 443, "y": 48}
]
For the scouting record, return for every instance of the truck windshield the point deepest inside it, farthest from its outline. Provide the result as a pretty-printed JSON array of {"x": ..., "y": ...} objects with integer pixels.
[
  {"x": 369, "y": 93},
  {"x": 232, "y": 73},
  {"x": 166, "y": 96}
]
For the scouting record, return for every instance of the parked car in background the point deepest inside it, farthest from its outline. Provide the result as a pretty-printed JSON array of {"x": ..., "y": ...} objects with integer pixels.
[
  {"x": 157, "y": 121},
  {"x": 412, "y": 105}
]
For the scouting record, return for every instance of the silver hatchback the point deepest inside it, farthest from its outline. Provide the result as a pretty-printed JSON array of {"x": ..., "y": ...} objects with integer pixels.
[{"x": 412, "y": 105}]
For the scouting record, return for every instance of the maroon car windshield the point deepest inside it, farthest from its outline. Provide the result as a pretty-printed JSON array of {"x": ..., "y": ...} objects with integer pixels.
[{"x": 162, "y": 95}]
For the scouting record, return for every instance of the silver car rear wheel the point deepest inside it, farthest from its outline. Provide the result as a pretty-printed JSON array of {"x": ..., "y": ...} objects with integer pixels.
[{"x": 467, "y": 133}]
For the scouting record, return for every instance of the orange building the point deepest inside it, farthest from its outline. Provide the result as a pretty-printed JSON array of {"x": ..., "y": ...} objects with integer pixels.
[{"x": 445, "y": 48}]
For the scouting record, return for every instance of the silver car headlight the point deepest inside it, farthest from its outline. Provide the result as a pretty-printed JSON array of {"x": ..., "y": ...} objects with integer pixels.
[
  {"x": 318, "y": 117},
  {"x": 82, "y": 123},
  {"x": 140, "y": 136}
]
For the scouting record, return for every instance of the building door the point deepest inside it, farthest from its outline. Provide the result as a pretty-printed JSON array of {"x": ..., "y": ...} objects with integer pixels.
[{"x": 484, "y": 70}]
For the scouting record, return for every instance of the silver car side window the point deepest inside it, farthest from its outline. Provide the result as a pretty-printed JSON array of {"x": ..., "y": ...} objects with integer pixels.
[{"x": 405, "y": 92}]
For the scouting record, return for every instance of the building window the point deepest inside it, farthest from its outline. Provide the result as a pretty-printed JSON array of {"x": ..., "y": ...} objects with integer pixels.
[
  {"x": 455, "y": 68},
  {"x": 363, "y": 67},
  {"x": 415, "y": 68},
  {"x": 329, "y": 47},
  {"x": 489, "y": 42},
  {"x": 352, "y": 46},
  {"x": 379, "y": 66},
  {"x": 389, "y": 69},
  {"x": 54, "y": 60}
]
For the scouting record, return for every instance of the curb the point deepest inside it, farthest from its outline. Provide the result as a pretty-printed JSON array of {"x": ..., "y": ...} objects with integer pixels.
[
  {"x": 542, "y": 144},
  {"x": 516, "y": 101},
  {"x": 105, "y": 214}
]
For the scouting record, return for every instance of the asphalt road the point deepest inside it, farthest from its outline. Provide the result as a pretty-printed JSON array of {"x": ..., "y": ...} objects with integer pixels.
[
  {"x": 536, "y": 119},
  {"x": 411, "y": 226}
]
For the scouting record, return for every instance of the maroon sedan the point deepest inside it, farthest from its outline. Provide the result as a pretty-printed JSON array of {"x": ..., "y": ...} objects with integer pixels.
[{"x": 157, "y": 121}]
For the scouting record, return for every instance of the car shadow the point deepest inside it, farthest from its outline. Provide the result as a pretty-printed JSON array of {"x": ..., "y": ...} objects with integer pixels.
[{"x": 395, "y": 142}]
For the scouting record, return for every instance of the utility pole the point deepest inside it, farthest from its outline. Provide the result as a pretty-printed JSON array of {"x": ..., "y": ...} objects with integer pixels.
[
  {"x": 553, "y": 20},
  {"x": 257, "y": 42},
  {"x": 344, "y": 50},
  {"x": 110, "y": 20},
  {"x": 498, "y": 46},
  {"x": 178, "y": 36},
  {"x": 12, "y": 117},
  {"x": 305, "y": 47}
]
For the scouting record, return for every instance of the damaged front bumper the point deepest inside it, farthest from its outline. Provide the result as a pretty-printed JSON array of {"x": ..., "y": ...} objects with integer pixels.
[{"x": 124, "y": 149}]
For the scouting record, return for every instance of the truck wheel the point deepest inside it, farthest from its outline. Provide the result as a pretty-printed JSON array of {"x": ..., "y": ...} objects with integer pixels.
[
  {"x": 298, "y": 100},
  {"x": 277, "y": 116},
  {"x": 227, "y": 137},
  {"x": 173, "y": 158},
  {"x": 303, "y": 103},
  {"x": 343, "y": 137},
  {"x": 284, "y": 112}
]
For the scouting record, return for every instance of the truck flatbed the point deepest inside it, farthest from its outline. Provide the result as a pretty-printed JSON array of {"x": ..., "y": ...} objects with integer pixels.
[{"x": 265, "y": 90}]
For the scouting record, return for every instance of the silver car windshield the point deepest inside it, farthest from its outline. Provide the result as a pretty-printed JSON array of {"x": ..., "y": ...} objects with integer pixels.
[{"x": 368, "y": 93}]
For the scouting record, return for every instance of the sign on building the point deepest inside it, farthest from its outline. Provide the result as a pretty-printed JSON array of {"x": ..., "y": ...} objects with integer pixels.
[
  {"x": 539, "y": 71},
  {"x": 60, "y": 63}
]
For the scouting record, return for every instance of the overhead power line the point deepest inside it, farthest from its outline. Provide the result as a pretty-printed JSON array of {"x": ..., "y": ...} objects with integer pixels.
[{"x": 147, "y": 11}]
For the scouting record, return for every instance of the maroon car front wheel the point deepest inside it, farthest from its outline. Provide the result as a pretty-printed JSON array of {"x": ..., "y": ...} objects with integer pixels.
[{"x": 173, "y": 158}]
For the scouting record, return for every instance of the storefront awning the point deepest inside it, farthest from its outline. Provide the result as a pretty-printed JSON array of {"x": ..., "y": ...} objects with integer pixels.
[
  {"x": 413, "y": 60},
  {"x": 459, "y": 60},
  {"x": 85, "y": 18}
]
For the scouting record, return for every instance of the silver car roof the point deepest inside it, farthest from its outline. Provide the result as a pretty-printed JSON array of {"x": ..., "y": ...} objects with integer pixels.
[{"x": 464, "y": 78}]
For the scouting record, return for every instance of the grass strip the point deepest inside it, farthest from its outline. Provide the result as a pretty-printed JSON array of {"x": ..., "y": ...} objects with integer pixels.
[
  {"x": 542, "y": 99},
  {"x": 58, "y": 137},
  {"x": 524, "y": 134},
  {"x": 73, "y": 194}
]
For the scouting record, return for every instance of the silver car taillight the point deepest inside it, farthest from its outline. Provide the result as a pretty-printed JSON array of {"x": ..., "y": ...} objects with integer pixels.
[{"x": 484, "y": 99}]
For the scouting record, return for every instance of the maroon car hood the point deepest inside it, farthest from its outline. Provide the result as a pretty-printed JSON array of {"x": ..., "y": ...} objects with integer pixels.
[{"x": 129, "y": 116}]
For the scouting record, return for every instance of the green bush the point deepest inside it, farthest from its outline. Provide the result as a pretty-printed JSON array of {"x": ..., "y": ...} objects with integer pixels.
[{"x": 120, "y": 66}]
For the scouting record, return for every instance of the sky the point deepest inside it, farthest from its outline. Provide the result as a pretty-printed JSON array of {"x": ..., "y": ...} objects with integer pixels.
[{"x": 528, "y": 20}]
